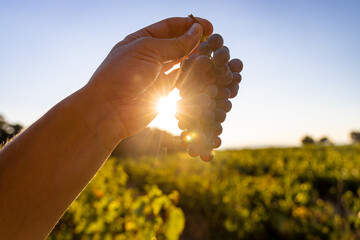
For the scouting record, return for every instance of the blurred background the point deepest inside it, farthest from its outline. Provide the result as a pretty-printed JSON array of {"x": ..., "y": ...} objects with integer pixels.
[
  {"x": 300, "y": 60},
  {"x": 298, "y": 109}
]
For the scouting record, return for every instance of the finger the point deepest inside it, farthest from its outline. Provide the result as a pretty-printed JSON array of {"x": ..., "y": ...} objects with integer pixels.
[
  {"x": 165, "y": 50},
  {"x": 168, "y": 65},
  {"x": 169, "y": 28},
  {"x": 172, "y": 78}
]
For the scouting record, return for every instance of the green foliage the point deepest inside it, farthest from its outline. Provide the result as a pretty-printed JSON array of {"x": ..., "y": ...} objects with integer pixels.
[
  {"x": 106, "y": 209},
  {"x": 293, "y": 193}
]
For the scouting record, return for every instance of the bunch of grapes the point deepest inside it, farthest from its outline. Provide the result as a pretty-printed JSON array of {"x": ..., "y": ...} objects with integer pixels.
[{"x": 208, "y": 79}]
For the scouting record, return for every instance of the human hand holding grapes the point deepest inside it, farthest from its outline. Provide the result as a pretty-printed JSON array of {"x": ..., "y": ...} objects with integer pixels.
[
  {"x": 49, "y": 164},
  {"x": 132, "y": 75}
]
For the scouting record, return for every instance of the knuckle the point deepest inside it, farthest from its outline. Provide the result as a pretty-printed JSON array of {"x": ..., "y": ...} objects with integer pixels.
[{"x": 144, "y": 42}]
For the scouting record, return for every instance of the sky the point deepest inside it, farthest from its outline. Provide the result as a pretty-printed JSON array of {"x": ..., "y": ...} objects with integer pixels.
[{"x": 301, "y": 60}]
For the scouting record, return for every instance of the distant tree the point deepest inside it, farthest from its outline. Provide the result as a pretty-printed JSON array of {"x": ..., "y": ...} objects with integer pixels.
[
  {"x": 355, "y": 137},
  {"x": 324, "y": 141},
  {"x": 7, "y": 130},
  {"x": 307, "y": 140}
]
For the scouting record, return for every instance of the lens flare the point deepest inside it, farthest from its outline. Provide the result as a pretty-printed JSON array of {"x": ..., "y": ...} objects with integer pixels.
[
  {"x": 166, "y": 108},
  {"x": 163, "y": 105}
]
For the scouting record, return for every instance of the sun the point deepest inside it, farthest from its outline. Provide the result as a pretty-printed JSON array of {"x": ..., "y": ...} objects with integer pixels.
[{"x": 166, "y": 107}]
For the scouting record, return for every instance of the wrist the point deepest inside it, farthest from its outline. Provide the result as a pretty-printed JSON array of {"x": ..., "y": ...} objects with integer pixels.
[{"x": 100, "y": 118}]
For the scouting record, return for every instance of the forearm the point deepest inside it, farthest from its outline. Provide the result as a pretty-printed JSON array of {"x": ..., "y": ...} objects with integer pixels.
[{"x": 45, "y": 168}]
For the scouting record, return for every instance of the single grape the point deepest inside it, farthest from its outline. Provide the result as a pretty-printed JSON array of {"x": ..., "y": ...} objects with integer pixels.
[
  {"x": 221, "y": 56},
  {"x": 195, "y": 112},
  {"x": 211, "y": 90},
  {"x": 185, "y": 94},
  {"x": 235, "y": 65},
  {"x": 188, "y": 113},
  {"x": 184, "y": 144},
  {"x": 179, "y": 115},
  {"x": 236, "y": 78},
  {"x": 192, "y": 57},
  {"x": 181, "y": 124},
  {"x": 208, "y": 133},
  {"x": 192, "y": 86},
  {"x": 215, "y": 41},
  {"x": 180, "y": 104},
  {"x": 224, "y": 104},
  {"x": 212, "y": 126},
  {"x": 209, "y": 77},
  {"x": 223, "y": 93},
  {"x": 226, "y": 80},
  {"x": 197, "y": 86},
  {"x": 194, "y": 149},
  {"x": 212, "y": 104},
  {"x": 194, "y": 124},
  {"x": 233, "y": 91},
  {"x": 220, "y": 115},
  {"x": 188, "y": 124},
  {"x": 226, "y": 48},
  {"x": 204, "y": 49},
  {"x": 184, "y": 65},
  {"x": 217, "y": 142},
  {"x": 221, "y": 70},
  {"x": 206, "y": 156},
  {"x": 184, "y": 104},
  {"x": 184, "y": 137},
  {"x": 202, "y": 100},
  {"x": 199, "y": 137},
  {"x": 218, "y": 131},
  {"x": 188, "y": 64},
  {"x": 208, "y": 144},
  {"x": 202, "y": 64},
  {"x": 207, "y": 116}
]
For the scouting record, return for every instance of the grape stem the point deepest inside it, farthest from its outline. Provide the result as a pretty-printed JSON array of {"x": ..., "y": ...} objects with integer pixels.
[{"x": 203, "y": 38}]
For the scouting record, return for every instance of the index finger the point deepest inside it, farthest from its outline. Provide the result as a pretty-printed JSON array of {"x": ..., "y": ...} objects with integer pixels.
[{"x": 170, "y": 28}]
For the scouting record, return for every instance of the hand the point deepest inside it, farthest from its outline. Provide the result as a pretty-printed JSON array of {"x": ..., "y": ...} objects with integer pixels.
[
  {"x": 45, "y": 167},
  {"x": 132, "y": 78}
]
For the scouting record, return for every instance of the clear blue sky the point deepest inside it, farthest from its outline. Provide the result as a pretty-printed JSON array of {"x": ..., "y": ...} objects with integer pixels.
[{"x": 302, "y": 59}]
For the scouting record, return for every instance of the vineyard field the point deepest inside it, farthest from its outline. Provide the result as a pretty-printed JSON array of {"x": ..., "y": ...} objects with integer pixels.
[{"x": 311, "y": 192}]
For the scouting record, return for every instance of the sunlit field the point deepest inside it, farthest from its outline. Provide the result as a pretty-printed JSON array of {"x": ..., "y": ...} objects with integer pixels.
[{"x": 292, "y": 193}]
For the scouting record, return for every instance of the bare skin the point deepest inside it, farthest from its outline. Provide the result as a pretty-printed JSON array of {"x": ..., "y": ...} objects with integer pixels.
[{"x": 45, "y": 167}]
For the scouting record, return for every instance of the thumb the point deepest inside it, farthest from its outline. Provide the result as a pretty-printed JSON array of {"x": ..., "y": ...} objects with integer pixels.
[{"x": 179, "y": 47}]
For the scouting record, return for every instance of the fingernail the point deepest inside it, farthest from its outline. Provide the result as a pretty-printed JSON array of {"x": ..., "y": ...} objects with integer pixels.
[{"x": 194, "y": 30}]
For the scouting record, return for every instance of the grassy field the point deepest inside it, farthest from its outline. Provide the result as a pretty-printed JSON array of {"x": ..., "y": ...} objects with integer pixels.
[{"x": 287, "y": 193}]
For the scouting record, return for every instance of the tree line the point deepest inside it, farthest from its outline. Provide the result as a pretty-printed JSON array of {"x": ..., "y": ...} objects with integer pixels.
[
  {"x": 308, "y": 140},
  {"x": 152, "y": 141}
]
